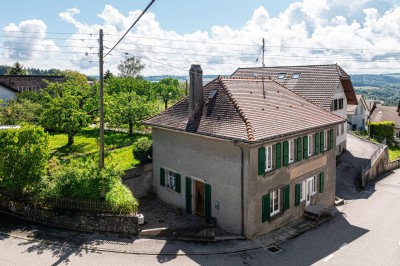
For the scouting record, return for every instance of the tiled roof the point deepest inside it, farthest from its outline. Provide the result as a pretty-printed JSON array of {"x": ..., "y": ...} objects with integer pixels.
[
  {"x": 239, "y": 111},
  {"x": 386, "y": 113},
  {"x": 316, "y": 83}
]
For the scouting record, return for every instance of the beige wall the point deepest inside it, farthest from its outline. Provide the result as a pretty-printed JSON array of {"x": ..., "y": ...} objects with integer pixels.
[
  {"x": 289, "y": 175},
  {"x": 213, "y": 161}
]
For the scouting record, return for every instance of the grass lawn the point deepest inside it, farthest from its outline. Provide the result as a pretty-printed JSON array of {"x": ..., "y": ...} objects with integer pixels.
[
  {"x": 394, "y": 152},
  {"x": 123, "y": 158}
]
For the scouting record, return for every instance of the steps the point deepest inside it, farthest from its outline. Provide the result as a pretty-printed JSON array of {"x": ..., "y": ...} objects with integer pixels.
[{"x": 314, "y": 212}]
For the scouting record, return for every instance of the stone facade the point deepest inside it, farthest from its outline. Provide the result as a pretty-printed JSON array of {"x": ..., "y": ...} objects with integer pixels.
[{"x": 28, "y": 82}]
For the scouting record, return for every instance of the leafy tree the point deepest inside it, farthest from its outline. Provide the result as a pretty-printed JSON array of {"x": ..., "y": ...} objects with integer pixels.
[
  {"x": 108, "y": 75},
  {"x": 24, "y": 157},
  {"x": 17, "y": 69},
  {"x": 70, "y": 106},
  {"x": 131, "y": 67},
  {"x": 143, "y": 150},
  {"x": 168, "y": 90},
  {"x": 20, "y": 110}
]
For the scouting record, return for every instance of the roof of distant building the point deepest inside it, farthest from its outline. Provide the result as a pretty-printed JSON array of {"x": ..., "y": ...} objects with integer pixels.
[{"x": 386, "y": 113}]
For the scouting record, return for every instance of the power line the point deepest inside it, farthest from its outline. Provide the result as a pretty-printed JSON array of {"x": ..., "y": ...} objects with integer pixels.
[
  {"x": 50, "y": 32},
  {"x": 134, "y": 23},
  {"x": 50, "y": 45},
  {"x": 34, "y": 50}
]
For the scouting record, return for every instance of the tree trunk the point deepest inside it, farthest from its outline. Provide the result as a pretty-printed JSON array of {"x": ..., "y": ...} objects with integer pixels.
[
  {"x": 70, "y": 139},
  {"x": 131, "y": 129},
  {"x": 166, "y": 104}
]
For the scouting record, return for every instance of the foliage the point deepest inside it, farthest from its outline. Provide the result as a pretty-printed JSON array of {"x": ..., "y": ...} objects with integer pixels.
[
  {"x": 168, "y": 90},
  {"x": 4, "y": 69},
  {"x": 70, "y": 106},
  {"x": 20, "y": 110},
  {"x": 24, "y": 157},
  {"x": 131, "y": 67},
  {"x": 394, "y": 152},
  {"x": 143, "y": 150},
  {"x": 83, "y": 179},
  {"x": 388, "y": 93},
  {"x": 382, "y": 130},
  {"x": 17, "y": 69},
  {"x": 108, "y": 75}
]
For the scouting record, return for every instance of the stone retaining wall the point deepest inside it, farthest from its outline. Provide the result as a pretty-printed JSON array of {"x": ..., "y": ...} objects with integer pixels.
[{"x": 87, "y": 222}]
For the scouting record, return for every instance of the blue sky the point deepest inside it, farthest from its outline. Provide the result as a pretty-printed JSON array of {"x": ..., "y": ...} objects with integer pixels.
[{"x": 362, "y": 36}]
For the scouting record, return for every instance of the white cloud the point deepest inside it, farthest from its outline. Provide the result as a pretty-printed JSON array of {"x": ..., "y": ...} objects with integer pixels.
[{"x": 360, "y": 35}]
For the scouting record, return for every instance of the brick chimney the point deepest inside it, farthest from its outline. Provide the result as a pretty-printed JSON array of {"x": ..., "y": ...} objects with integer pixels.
[{"x": 196, "y": 98}]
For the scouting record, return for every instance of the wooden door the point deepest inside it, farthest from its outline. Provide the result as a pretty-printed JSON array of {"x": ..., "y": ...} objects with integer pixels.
[{"x": 199, "y": 198}]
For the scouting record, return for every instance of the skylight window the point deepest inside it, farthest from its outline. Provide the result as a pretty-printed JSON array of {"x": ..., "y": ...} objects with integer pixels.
[
  {"x": 281, "y": 75},
  {"x": 212, "y": 94},
  {"x": 295, "y": 75}
]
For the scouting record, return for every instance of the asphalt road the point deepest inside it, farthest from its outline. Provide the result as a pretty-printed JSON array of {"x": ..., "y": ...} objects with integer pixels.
[{"x": 365, "y": 231}]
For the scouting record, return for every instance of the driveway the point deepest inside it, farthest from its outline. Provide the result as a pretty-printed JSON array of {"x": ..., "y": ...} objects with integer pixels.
[{"x": 348, "y": 172}]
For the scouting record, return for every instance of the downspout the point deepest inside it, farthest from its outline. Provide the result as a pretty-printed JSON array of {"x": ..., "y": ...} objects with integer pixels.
[{"x": 241, "y": 182}]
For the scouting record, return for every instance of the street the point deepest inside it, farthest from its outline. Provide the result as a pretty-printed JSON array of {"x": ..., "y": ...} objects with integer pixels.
[{"x": 365, "y": 231}]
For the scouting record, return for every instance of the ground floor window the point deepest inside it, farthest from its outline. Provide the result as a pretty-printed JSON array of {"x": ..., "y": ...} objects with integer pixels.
[
  {"x": 274, "y": 202},
  {"x": 171, "y": 179}
]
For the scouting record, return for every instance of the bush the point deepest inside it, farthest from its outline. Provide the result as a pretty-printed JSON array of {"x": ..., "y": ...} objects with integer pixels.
[
  {"x": 121, "y": 199},
  {"x": 24, "y": 157},
  {"x": 382, "y": 130},
  {"x": 143, "y": 150}
]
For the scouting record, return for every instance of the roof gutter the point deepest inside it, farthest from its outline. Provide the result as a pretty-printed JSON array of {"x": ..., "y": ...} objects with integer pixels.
[{"x": 235, "y": 143}]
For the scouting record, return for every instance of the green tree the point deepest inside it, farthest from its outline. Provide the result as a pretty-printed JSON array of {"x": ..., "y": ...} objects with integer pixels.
[
  {"x": 168, "y": 90},
  {"x": 17, "y": 69},
  {"x": 20, "y": 110},
  {"x": 70, "y": 106},
  {"x": 24, "y": 157},
  {"x": 131, "y": 67},
  {"x": 108, "y": 75}
]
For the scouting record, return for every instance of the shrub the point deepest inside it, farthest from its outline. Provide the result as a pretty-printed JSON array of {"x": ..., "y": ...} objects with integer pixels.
[
  {"x": 24, "y": 157},
  {"x": 143, "y": 150},
  {"x": 121, "y": 199},
  {"x": 382, "y": 130}
]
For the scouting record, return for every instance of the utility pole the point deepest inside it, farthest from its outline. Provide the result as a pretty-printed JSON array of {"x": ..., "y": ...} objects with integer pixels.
[{"x": 101, "y": 95}]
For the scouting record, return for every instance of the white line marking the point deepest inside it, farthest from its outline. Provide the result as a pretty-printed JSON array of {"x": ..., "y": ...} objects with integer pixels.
[
  {"x": 342, "y": 246},
  {"x": 328, "y": 258}
]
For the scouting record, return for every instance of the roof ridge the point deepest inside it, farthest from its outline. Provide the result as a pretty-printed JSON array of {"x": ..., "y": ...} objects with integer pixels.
[{"x": 249, "y": 127}]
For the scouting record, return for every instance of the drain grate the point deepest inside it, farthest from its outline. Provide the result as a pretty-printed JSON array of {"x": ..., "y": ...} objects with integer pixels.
[{"x": 274, "y": 249}]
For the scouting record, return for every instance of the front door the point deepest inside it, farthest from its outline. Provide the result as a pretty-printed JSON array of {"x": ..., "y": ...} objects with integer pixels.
[{"x": 199, "y": 198}]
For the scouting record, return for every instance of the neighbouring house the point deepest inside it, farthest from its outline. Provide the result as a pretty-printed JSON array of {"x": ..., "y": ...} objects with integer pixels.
[
  {"x": 245, "y": 153},
  {"x": 386, "y": 113},
  {"x": 357, "y": 115},
  {"x": 7, "y": 93},
  {"x": 327, "y": 86},
  {"x": 28, "y": 82}
]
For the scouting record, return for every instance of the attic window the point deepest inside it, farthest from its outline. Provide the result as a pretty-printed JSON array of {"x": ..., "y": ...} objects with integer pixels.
[
  {"x": 212, "y": 94},
  {"x": 295, "y": 75},
  {"x": 281, "y": 75}
]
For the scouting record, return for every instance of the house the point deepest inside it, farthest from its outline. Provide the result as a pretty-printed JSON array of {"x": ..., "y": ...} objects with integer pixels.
[
  {"x": 244, "y": 152},
  {"x": 381, "y": 113},
  {"x": 327, "y": 86},
  {"x": 7, "y": 93},
  {"x": 28, "y": 82},
  {"x": 357, "y": 115}
]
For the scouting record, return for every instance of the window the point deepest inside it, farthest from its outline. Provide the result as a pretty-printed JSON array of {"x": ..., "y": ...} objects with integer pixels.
[
  {"x": 355, "y": 113},
  {"x": 361, "y": 110},
  {"x": 325, "y": 140},
  {"x": 309, "y": 145},
  {"x": 343, "y": 125},
  {"x": 291, "y": 151},
  {"x": 302, "y": 191},
  {"x": 295, "y": 75},
  {"x": 268, "y": 158},
  {"x": 171, "y": 179},
  {"x": 281, "y": 75},
  {"x": 274, "y": 202},
  {"x": 313, "y": 185},
  {"x": 341, "y": 103},
  {"x": 338, "y": 130}
]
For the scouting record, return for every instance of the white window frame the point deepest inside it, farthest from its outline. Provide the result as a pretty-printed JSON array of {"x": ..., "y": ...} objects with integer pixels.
[
  {"x": 310, "y": 145},
  {"x": 291, "y": 151},
  {"x": 303, "y": 190},
  {"x": 170, "y": 177},
  {"x": 325, "y": 140},
  {"x": 275, "y": 201},
  {"x": 268, "y": 158},
  {"x": 314, "y": 185}
]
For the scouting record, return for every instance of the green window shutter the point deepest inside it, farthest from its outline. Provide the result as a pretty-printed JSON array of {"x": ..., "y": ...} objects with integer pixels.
[
  {"x": 316, "y": 143},
  {"x": 305, "y": 147},
  {"x": 299, "y": 152},
  {"x": 321, "y": 182},
  {"x": 162, "y": 177},
  {"x": 297, "y": 195},
  {"x": 278, "y": 155},
  {"x": 261, "y": 161},
  {"x": 188, "y": 195},
  {"x": 178, "y": 183},
  {"x": 331, "y": 139},
  {"x": 321, "y": 141},
  {"x": 266, "y": 213},
  {"x": 285, "y": 153},
  {"x": 207, "y": 202},
  {"x": 286, "y": 198}
]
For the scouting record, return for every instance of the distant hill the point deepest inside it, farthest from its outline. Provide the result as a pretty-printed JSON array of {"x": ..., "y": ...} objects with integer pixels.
[
  {"x": 180, "y": 78},
  {"x": 375, "y": 80}
]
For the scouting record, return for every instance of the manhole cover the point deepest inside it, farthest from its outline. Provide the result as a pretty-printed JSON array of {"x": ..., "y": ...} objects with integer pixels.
[
  {"x": 274, "y": 249},
  {"x": 161, "y": 221}
]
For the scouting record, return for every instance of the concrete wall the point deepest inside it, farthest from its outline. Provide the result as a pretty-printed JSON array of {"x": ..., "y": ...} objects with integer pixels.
[
  {"x": 139, "y": 180},
  {"x": 213, "y": 161},
  {"x": 6, "y": 94},
  {"x": 287, "y": 175}
]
